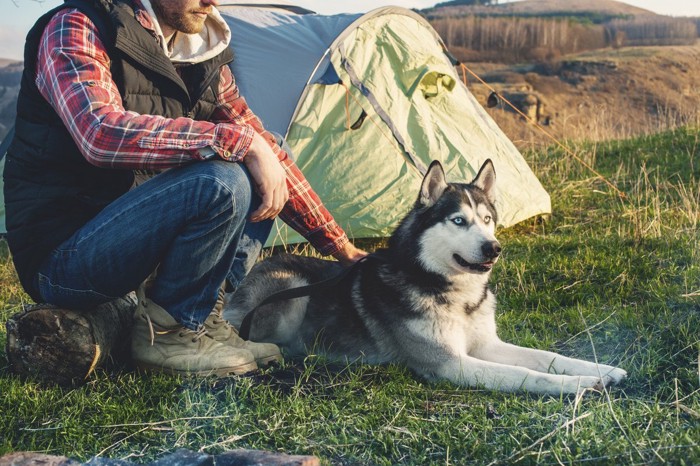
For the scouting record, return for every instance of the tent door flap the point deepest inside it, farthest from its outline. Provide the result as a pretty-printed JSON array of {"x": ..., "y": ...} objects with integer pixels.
[{"x": 357, "y": 82}]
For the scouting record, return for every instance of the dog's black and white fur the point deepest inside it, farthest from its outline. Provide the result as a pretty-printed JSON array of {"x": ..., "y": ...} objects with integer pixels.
[{"x": 424, "y": 302}]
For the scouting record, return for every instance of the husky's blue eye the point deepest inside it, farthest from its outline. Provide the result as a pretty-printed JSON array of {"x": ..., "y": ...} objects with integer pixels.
[
  {"x": 487, "y": 219},
  {"x": 459, "y": 221}
]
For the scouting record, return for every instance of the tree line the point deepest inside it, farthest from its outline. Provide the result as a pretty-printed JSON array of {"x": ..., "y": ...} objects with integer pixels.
[
  {"x": 654, "y": 31},
  {"x": 512, "y": 39}
]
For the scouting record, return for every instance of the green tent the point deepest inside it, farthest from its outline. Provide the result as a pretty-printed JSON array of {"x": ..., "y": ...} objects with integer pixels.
[{"x": 366, "y": 102}]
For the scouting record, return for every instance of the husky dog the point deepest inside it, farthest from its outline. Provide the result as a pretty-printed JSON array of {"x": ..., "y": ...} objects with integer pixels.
[{"x": 423, "y": 302}]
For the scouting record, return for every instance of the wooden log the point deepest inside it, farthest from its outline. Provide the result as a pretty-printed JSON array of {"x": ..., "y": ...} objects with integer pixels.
[
  {"x": 256, "y": 457},
  {"x": 178, "y": 458},
  {"x": 63, "y": 346},
  {"x": 36, "y": 459}
]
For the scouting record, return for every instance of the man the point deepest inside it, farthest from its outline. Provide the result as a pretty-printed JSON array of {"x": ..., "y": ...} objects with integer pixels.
[{"x": 114, "y": 87}]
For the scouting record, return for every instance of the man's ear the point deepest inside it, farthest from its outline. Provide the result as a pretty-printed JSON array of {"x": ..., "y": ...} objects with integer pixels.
[
  {"x": 433, "y": 185},
  {"x": 486, "y": 180}
]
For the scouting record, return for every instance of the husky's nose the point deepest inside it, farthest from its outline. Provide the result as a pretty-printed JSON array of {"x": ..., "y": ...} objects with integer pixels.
[{"x": 491, "y": 250}]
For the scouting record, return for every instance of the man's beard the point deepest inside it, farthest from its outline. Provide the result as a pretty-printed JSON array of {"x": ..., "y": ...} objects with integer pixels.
[{"x": 178, "y": 20}]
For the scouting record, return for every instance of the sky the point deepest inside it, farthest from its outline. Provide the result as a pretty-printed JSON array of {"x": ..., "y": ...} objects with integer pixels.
[{"x": 18, "y": 16}]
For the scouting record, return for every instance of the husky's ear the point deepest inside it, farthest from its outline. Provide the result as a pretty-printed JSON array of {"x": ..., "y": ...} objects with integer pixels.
[
  {"x": 486, "y": 180},
  {"x": 433, "y": 186}
]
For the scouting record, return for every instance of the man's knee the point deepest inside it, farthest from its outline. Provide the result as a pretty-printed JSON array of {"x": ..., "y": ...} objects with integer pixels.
[{"x": 219, "y": 181}]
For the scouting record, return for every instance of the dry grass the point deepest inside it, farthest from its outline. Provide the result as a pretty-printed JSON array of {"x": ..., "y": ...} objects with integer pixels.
[{"x": 599, "y": 96}]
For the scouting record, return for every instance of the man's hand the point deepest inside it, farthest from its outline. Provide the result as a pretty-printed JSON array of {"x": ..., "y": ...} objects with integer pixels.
[
  {"x": 269, "y": 178},
  {"x": 349, "y": 254}
]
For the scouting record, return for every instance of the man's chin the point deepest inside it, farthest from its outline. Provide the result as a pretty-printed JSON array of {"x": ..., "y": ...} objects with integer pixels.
[{"x": 192, "y": 28}]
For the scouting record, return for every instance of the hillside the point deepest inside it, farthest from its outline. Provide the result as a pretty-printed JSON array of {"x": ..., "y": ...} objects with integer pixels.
[
  {"x": 6, "y": 61},
  {"x": 545, "y": 30},
  {"x": 596, "y": 95},
  {"x": 538, "y": 7},
  {"x": 10, "y": 74},
  {"x": 544, "y": 8}
]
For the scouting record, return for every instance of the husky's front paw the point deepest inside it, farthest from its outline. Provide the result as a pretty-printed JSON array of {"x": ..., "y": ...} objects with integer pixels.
[
  {"x": 610, "y": 377},
  {"x": 586, "y": 383},
  {"x": 614, "y": 375}
]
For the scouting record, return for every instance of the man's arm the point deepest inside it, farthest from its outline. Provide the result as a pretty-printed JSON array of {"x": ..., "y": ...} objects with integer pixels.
[
  {"x": 73, "y": 75},
  {"x": 269, "y": 178},
  {"x": 304, "y": 211}
]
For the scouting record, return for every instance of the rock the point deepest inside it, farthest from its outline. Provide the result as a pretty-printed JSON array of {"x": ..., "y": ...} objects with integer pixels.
[
  {"x": 185, "y": 458},
  {"x": 178, "y": 458},
  {"x": 260, "y": 458},
  {"x": 108, "y": 462},
  {"x": 35, "y": 459}
]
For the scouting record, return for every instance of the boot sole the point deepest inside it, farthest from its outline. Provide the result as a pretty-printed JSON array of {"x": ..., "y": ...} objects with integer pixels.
[
  {"x": 268, "y": 360},
  {"x": 243, "y": 369}
]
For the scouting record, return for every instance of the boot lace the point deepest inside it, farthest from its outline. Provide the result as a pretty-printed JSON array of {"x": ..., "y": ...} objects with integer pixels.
[
  {"x": 218, "y": 312},
  {"x": 183, "y": 331}
]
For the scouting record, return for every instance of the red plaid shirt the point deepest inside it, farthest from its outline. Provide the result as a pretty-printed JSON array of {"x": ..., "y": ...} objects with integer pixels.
[{"x": 73, "y": 75}]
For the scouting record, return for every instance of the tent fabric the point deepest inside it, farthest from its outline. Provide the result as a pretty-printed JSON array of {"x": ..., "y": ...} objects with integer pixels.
[
  {"x": 284, "y": 5},
  {"x": 394, "y": 83},
  {"x": 275, "y": 55}
]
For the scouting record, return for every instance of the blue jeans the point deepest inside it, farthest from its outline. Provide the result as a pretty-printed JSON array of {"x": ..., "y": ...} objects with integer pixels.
[{"x": 189, "y": 222}]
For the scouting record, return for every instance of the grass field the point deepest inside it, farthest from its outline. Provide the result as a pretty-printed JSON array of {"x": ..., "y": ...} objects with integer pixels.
[{"x": 607, "y": 278}]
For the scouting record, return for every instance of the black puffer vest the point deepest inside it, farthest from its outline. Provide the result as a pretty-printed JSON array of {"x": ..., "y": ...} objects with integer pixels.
[{"x": 50, "y": 189}]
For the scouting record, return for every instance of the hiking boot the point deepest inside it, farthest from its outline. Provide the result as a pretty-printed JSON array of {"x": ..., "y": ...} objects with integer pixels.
[
  {"x": 222, "y": 331},
  {"x": 161, "y": 344}
]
